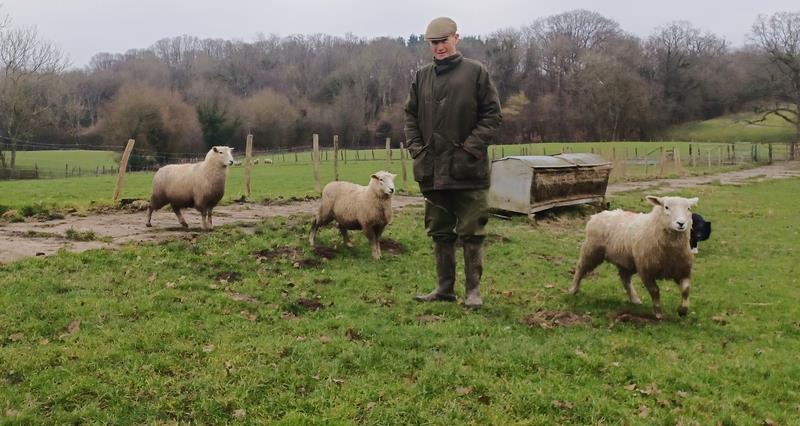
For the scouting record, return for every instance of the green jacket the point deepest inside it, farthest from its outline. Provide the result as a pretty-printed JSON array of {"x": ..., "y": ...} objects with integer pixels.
[{"x": 452, "y": 113}]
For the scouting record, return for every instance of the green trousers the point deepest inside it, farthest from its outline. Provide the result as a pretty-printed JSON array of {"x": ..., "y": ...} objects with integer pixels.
[{"x": 456, "y": 213}]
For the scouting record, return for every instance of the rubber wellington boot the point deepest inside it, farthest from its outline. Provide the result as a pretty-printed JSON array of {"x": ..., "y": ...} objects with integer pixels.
[
  {"x": 445, "y": 254},
  {"x": 473, "y": 269}
]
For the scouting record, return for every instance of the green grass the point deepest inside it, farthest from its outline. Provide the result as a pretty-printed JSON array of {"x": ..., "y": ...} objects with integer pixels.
[
  {"x": 734, "y": 128},
  {"x": 55, "y": 162},
  {"x": 295, "y": 179},
  {"x": 254, "y": 327}
]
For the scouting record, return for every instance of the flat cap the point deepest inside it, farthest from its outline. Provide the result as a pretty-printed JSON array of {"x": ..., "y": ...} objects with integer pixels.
[{"x": 440, "y": 29}]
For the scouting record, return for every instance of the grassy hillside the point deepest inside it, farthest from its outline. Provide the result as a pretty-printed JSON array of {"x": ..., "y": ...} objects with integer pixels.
[{"x": 733, "y": 128}]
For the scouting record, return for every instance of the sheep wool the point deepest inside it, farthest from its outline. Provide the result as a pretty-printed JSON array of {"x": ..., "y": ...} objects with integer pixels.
[
  {"x": 198, "y": 185},
  {"x": 353, "y": 206},
  {"x": 654, "y": 245}
]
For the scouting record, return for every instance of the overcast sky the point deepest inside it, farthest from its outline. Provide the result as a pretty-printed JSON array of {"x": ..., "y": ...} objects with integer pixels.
[{"x": 82, "y": 28}]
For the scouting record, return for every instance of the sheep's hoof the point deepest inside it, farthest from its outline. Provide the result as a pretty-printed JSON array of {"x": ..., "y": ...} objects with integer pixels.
[
  {"x": 636, "y": 301},
  {"x": 683, "y": 310},
  {"x": 572, "y": 291},
  {"x": 659, "y": 316},
  {"x": 148, "y": 225},
  {"x": 185, "y": 225}
]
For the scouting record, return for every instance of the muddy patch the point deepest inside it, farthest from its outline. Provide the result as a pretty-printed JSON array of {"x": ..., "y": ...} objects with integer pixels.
[
  {"x": 552, "y": 319},
  {"x": 278, "y": 253},
  {"x": 287, "y": 254},
  {"x": 631, "y": 317},
  {"x": 326, "y": 253},
  {"x": 392, "y": 246},
  {"x": 228, "y": 277},
  {"x": 304, "y": 305}
]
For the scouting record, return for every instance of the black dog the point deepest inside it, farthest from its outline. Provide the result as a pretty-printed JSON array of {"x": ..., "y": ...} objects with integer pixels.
[{"x": 701, "y": 230}]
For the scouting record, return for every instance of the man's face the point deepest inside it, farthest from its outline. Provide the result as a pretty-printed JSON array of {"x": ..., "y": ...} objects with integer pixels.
[{"x": 444, "y": 48}]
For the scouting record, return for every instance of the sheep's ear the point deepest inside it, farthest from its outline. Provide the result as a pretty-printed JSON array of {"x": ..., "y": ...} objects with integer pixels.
[
  {"x": 655, "y": 200},
  {"x": 215, "y": 149},
  {"x": 374, "y": 177},
  {"x": 693, "y": 201}
]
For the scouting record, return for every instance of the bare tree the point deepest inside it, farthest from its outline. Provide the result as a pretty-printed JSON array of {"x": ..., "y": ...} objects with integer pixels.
[
  {"x": 29, "y": 66},
  {"x": 678, "y": 52},
  {"x": 779, "y": 36},
  {"x": 560, "y": 40}
]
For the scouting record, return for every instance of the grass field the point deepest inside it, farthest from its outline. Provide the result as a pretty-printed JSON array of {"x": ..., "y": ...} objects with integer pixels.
[
  {"x": 254, "y": 327},
  {"x": 56, "y": 161},
  {"x": 734, "y": 128},
  {"x": 295, "y": 179}
]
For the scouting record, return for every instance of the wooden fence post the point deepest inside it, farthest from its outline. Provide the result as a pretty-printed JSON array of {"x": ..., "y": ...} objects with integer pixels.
[
  {"x": 388, "y": 153},
  {"x": 315, "y": 160},
  {"x": 123, "y": 167},
  {"x": 336, "y": 157},
  {"x": 248, "y": 164},
  {"x": 403, "y": 166}
]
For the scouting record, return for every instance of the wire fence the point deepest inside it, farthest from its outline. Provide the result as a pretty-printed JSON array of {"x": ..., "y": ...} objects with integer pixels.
[{"x": 630, "y": 160}]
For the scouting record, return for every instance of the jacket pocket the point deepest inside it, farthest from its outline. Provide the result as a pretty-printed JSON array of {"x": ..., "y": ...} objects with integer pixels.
[
  {"x": 465, "y": 166},
  {"x": 423, "y": 165}
]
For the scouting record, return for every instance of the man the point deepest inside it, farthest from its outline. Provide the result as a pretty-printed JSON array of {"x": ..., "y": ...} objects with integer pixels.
[{"x": 452, "y": 113}]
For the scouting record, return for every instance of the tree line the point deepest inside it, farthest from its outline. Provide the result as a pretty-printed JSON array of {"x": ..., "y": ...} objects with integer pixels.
[{"x": 571, "y": 76}]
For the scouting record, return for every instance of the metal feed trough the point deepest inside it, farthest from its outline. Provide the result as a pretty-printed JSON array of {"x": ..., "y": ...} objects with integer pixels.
[{"x": 530, "y": 184}]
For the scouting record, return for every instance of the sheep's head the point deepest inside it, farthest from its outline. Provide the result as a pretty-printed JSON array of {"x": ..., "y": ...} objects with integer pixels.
[
  {"x": 675, "y": 213},
  {"x": 383, "y": 182},
  {"x": 221, "y": 155}
]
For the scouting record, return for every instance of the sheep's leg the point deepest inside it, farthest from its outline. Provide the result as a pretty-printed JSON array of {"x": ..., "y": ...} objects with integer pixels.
[
  {"x": 203, "y": 219},
  {"x": 180, "y": 216},
  {"x": 208, "y": 213},
  {"x": 155, "y": 204},
  {"x": 590, "y": 259},
  {"x": 312, "y": 236},
  {"x": 684, "y": 308},
  {"x": 652, "y": 287},
  {"x": 345, "y": 236},
  {"x": 625, "y": 275},
  {"x": 374, "y": 241}
]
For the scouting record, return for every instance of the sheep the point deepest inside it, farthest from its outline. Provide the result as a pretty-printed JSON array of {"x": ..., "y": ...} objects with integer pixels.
[
  {"x": 353, "y": 206},
  {"x": 654, "y": 245},
  {"x": 255, "y": 161},
  {"x": 267, "y": 161},
  {"x": 701, "y": 231},
  {"x": 199, "y": 185}
]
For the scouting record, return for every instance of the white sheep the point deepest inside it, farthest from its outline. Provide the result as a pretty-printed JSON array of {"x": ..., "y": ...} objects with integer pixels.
[
  {"x": 654, "y": 245},
  {"x": 267, "y": 161},
  {"x": 199, "y": 185},
  {"x": 352, "y": 206}
]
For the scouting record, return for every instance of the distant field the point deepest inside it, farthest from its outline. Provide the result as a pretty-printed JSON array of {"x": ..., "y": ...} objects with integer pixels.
[
  {"x": 291, "y": 175},
  {"x": 734, "y": 128},
  {"x": 57, "y": 161}
]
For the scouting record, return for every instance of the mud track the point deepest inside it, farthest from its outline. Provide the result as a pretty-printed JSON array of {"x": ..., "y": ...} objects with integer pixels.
[{"x": 42, "y": 238}]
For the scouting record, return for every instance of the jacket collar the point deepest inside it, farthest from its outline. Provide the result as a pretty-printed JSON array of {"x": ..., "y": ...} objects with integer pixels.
[{"x": 444, "y": 65}]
